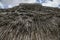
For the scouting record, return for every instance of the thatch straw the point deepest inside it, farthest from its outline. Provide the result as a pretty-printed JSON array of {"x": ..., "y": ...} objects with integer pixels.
[{"x": 29, "y": 23}]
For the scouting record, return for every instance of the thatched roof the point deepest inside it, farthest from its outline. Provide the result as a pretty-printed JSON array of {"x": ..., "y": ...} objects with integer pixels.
[{"x": 30, "y": 22}]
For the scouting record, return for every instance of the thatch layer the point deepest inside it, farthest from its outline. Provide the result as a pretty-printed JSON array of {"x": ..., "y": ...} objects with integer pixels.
[{"x": 29, "y": 23}]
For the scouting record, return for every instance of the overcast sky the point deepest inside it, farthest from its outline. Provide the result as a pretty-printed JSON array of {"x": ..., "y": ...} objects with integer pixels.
[{"x": 11, "y": 3}]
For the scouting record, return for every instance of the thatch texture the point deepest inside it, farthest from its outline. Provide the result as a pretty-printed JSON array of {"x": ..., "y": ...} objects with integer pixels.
[{"x": 30, "y": 22}]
